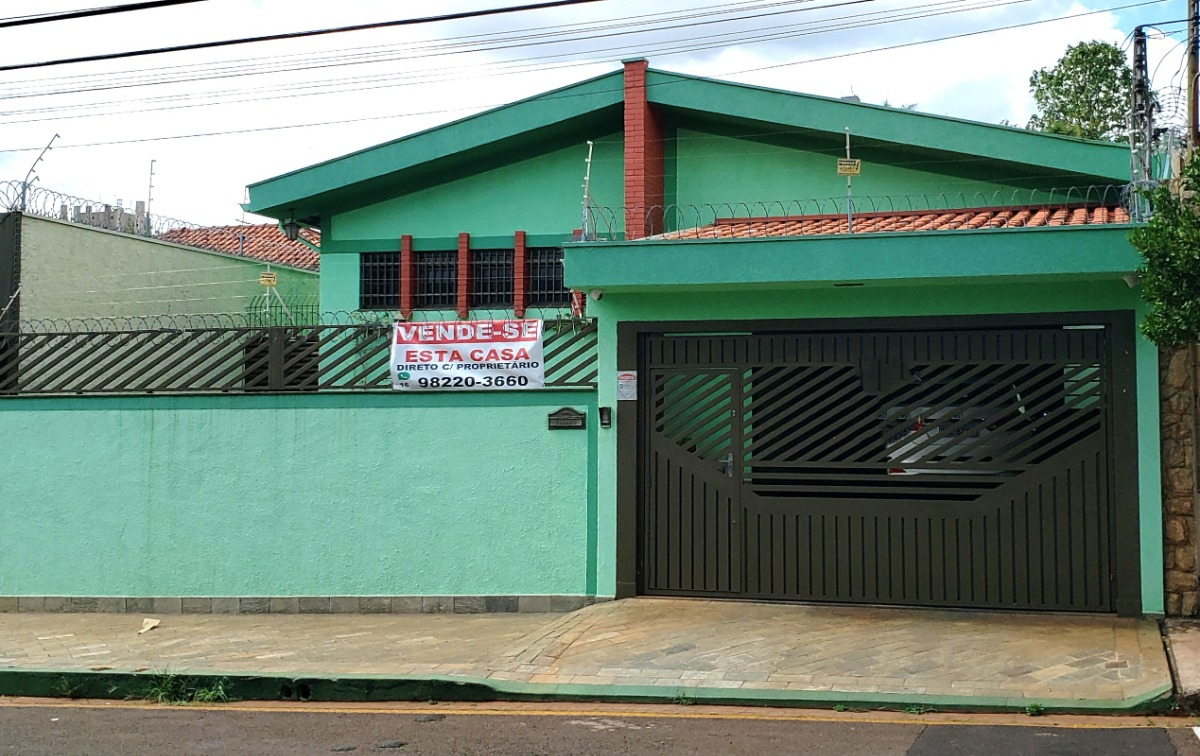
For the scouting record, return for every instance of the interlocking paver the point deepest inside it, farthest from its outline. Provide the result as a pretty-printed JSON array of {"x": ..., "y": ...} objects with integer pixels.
[{"x": 650, "y": 642}]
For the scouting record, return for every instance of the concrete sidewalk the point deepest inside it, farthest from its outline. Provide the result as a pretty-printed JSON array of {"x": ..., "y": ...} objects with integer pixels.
[{"x": 637, "y": 649}]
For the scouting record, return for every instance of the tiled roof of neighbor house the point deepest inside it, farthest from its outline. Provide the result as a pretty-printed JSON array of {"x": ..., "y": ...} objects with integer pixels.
[
  {"x": 262, "y": 242},
  {"x": 924, "y": 220}
]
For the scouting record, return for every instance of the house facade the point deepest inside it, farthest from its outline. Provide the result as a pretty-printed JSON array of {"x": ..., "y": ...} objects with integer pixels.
[
  {"x": 922, "y": 386},
  {"x": 940, "y": 402}
]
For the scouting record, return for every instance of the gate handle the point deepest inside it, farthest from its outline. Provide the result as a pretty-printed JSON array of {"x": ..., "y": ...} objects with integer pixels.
[{"x": 727, "y": 464}]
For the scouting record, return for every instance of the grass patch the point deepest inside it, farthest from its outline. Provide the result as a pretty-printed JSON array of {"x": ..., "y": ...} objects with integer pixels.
[
  {"x": 682, "y": 698},
  {"x": 170, "y": 688}
]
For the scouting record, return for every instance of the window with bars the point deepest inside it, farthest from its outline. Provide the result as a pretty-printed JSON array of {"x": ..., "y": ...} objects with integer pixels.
[
  {"x": 546, "y": 287},
  {"x": 379, "y": 280},
  {"x": 491, "y": 278},
  {"x": 436, "y": 279}
]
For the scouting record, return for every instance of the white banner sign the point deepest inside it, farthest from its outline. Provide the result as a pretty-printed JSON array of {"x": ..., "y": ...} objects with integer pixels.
[{"x": 468, "y": 355}]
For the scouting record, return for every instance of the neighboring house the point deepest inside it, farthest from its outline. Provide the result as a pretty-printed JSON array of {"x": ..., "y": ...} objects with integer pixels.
[
  {"x": 69, "y": 270},
  {"x": 937, "y": 399},
  {"x": 261, "y": 242}
]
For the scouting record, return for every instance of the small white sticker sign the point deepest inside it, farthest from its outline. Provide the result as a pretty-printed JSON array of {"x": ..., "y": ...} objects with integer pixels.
[{"x": 627, "y": 384}]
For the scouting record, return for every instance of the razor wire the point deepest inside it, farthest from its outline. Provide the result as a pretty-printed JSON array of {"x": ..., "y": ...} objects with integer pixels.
[
  {"x": 19, "y": 196},
  {"x": 304, "y": 312},
  {"x": 608, "y": 223}
]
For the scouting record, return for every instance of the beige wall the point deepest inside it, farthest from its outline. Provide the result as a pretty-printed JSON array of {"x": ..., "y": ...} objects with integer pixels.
[{"x": 73, "y": 271}]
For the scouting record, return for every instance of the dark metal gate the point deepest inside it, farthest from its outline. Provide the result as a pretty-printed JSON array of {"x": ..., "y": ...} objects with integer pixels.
[{"x": 927, "y": 467}]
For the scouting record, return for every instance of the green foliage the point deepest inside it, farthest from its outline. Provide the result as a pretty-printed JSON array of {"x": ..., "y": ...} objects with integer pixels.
[
  {"x": 1035, "y": 709},
  {"x": 682, "y": 698},
  {"x": 1170, "y": 247},
  {"x": 170, "y": 688},
  {"x": 1086, "y": 94}
]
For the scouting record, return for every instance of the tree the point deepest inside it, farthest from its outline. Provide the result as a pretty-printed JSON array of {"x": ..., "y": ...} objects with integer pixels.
[
  {"x": 1170, "y": 272},
  {"x": 1086, "y": 94}
]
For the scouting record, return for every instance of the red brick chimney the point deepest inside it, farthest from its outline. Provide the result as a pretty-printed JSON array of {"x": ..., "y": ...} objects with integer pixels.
[{"x": 644, "y": 164}]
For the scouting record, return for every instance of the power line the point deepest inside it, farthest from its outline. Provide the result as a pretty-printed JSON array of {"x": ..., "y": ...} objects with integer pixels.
[
  {"x": 298, "y": 35},
  {"x": 692, "y": 44},
  {"x": 382, "y": 53},
  {"x": 46, "y": 18},
  {"x": 344, "y": 121},
  {"x": 950, "y": 37}
]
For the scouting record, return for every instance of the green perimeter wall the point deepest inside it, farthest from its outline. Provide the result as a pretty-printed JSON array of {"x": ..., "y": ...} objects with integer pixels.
[
  {"x": 318, "y": 495},
  {"x": 74, "y": 271},
  {"x": 961, "y": 298}
]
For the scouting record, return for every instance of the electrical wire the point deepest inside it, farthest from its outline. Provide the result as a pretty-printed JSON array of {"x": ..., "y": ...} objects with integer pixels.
[
  {"x": 345, "y": 121},
  {"x": 262, "y": 64},
  {"x": 340, "y": 86},
  {"x": 46, "y": 18},
  {"x": 297, "y": 35}
]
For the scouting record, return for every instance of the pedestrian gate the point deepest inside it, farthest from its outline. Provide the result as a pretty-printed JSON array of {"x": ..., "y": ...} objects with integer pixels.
[{"x": 931, "y": 467}]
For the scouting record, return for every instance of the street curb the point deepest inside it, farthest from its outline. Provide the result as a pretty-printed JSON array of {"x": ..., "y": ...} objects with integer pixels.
[{"x": 115, "y": 684}]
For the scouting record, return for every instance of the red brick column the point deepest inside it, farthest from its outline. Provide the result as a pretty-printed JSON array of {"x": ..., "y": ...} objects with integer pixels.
[
  {"x": 644, "y": 162},
  {"x": 464, "y": 275},
  {"x": 520, "y": 274},
  {"x": 407, "y": 276}
]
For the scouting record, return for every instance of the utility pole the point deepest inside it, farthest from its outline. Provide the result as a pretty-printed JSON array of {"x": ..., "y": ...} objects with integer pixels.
[
  {"x": 1193, "y": 70},
  {"x": 1141, "y": 125}
]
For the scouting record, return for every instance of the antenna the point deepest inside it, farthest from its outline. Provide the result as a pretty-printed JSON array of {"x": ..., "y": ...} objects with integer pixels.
[
  {"x": 25, "y": 184},
  {"x": 149, "y": 196}
]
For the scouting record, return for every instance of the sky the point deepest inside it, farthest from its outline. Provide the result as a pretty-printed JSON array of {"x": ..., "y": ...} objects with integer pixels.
[{"x": 214, "y": 121}]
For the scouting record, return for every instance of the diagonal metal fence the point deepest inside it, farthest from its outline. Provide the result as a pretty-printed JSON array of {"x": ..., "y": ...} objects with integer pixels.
[{"x": 266, "y": 359}]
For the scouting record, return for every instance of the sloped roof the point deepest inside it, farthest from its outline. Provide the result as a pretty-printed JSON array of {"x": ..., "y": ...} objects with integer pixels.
[
  {"x": 969, "y": 219},
  {"x": 264, "y": 242},
  {"x": 431, "y": 154},
  {"x": 428, "y": 155}
]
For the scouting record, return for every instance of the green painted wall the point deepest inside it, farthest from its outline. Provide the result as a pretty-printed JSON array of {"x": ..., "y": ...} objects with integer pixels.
[
  {"x": 777, "y": 180},
  {"x": 883, "y": 301},
  {"x": 74, "y": 271},
  {"x": 542, "y": 194},
  {"x": 333, "y": 494},
  {"x": 339, "y": 281}
]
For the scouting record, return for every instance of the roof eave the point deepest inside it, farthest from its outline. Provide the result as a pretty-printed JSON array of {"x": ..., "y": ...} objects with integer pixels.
[
  {"x": 293, "y": 192},
  {"x": 1105, "y": 160},
  {"x": 1075, "y": 252}
]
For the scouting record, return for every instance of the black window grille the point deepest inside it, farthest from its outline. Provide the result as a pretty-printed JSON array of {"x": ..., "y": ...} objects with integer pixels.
[
  {"x": 437, "y": 279},
  {"x": 546, "y": 287},
  {"x": 379, "y": 281},
  {"x": 491, "y": 278}
]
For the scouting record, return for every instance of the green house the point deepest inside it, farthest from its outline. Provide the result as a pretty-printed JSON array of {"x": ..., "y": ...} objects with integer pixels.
[
  {"x": 917, "y": 384},
  {"x": 797, "y": 349}
]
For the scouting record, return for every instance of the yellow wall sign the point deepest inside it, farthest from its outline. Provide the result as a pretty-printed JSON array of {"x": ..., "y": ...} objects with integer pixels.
[
  {"x": 849, "y": 166},
  {"x": 266, "y": 279}
]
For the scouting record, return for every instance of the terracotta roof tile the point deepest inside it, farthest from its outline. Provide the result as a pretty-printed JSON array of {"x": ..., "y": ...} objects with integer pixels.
[
  {"x": 261, "y": 242},
  {"x": 926, "y": 220}
]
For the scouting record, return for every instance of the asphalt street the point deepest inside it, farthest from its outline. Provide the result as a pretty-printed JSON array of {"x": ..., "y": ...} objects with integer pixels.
[{"x": 36, "y": 728}]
